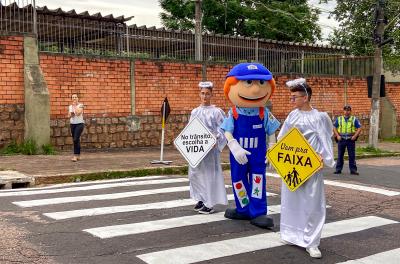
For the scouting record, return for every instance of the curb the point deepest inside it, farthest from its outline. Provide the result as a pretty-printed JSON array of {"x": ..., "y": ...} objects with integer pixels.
[
  {"x": 111, "y": 174},
  {"x": 382, "y": 155},
  {"x": 114, "y": 174}
]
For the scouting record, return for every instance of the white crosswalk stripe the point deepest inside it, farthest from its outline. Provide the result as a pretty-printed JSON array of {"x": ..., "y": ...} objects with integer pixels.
[
  {"x": 112, "y": 196},
  {"x": 69, "y": 184},
  {"x": 387, "y": 257},
  {"x": 150, "y": 226},
  {"x": 121, "y": 209},
  {"x": 125, "y": 208},
  {"x": 350, "y": 186},
  {"x": 208, "y": 251},
  {"x": 96, "y": 187},
  {"x": 86, "y": 198}
]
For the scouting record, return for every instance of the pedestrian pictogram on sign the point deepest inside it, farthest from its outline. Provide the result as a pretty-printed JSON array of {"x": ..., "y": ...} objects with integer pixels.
[
  {"x": 194, "y": 142},
  {"x": 294, "y": 159}
]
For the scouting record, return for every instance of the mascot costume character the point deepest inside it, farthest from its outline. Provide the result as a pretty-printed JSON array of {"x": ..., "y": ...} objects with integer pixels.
[{"x": 248, "y": 87}]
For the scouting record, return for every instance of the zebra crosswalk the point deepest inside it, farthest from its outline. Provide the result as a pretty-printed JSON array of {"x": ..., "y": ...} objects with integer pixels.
[
  {"x": 151, "y": 220},
  {"x": 252, "y": 243}
]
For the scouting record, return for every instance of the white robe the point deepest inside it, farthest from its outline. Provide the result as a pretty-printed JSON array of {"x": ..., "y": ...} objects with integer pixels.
[
  {"x": 206, "y": 180},
  {"x": 303, "y": 211}
]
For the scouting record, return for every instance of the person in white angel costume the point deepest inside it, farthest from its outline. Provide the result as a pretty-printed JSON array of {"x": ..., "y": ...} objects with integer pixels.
[
  {"x": 207, "y": 185},
  {"x": 303, "y": 211}
]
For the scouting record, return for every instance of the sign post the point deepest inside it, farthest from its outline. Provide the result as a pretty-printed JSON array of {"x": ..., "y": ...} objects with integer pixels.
[
  {"x": 194, "y": 142},
  {"x": 294, "y": 159},
  {"x": 165, "y": 110}
]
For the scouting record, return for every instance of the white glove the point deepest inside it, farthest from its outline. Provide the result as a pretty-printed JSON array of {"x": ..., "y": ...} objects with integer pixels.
[{"x": 238, "y": 152}]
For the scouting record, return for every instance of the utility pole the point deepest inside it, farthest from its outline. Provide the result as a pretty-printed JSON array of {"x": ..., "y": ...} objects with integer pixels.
[
  {"x": 376, "y": 84},
  {"x": 35, "y": 31},
  {"x": 197, "y": 32}
]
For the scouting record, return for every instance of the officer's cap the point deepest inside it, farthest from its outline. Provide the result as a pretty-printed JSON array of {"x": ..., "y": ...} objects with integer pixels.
[
  {"x": 347, "y": 107},
  {"x": 250, "y": 71}
]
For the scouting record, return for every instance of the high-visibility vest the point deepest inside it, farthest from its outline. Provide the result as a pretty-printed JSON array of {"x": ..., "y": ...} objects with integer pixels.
[{"x": 346, "y": 127}]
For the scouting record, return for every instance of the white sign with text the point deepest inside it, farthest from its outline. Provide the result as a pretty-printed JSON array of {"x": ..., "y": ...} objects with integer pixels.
[{"x": 194, "y": 142}]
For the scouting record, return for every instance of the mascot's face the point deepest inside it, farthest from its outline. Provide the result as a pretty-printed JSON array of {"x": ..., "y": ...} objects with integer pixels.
[{"x": 250, "y": 93}]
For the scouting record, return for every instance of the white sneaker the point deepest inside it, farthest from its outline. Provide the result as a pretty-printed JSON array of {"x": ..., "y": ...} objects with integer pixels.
[{"x": 314, "y": 252}]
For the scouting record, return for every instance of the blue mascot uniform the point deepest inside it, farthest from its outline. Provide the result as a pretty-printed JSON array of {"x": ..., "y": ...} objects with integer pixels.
[{"x": 249, "y": 86}]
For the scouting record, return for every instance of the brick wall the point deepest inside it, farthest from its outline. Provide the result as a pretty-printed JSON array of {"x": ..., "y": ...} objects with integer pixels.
[
  {"x": 104, "y": 86},
  {"x": 393, "y": 93},
  {"x": 178, "y": 81},
  {"x": 11, "y": 89}
]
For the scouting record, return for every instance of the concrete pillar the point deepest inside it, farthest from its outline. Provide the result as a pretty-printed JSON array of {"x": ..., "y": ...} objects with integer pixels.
[
  {"x": 37, "y": 97},
  {"x": 133, "y": 88},
  {"x": 389, "y": 119}
]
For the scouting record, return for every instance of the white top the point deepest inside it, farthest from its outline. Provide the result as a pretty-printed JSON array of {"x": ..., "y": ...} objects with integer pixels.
[
  {"x": 316, "y": 127},
  {"x": 74, "y": 118},
  {"x": 303, "y": 211},
  {"x": 206, "y": 180}
]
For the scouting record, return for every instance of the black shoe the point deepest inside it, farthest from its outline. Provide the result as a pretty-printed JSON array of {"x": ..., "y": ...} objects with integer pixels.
[
  {"x": 206, "y": 210},
  {"x": 354, "y": 173},
  {"x": 231, "y": 213},
  {"x": 198, "y": 206},
  {"x": 263, "y": 221},
  {"x": 337, "y": 172}
]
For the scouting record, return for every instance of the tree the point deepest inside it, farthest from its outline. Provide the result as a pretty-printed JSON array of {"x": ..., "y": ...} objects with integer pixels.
[
  {"x": 357, "y": 23},
  {"x": 288, "y": 20}
]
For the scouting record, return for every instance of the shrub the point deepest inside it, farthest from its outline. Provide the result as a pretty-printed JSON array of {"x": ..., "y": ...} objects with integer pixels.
[
  {"x": 48, "y": 149},
  {"x": 28, "y": 147}
]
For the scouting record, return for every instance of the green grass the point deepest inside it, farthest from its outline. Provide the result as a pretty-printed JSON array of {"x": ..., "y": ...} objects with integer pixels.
[
  {"x": 392, "y": 139},
  {"x": 10, "y": 149},
  {"x": 370, "y": 150},
  {"x": 48, "y": 149},
  {"x": 28, "y": 147}
]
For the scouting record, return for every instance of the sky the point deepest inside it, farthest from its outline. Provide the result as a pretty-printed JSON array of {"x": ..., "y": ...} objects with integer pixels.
[{"x": 146, "y": 12}]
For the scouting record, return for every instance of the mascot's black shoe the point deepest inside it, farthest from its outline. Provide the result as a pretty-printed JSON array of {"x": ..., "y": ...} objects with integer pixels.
[
  {"x": 262, "y": 221},
  {"x": 232, "y": 214}
]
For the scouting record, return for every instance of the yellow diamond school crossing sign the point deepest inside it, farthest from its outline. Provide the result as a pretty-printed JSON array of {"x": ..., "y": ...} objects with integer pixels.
[{"x": 294, "y": 159}]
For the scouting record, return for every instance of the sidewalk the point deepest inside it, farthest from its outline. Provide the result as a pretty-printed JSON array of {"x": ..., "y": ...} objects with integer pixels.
[{"x": 46, "y": 169}]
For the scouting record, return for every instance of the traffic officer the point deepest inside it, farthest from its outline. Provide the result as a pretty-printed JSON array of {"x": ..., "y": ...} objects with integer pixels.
[{"x": 346, "y": 128}]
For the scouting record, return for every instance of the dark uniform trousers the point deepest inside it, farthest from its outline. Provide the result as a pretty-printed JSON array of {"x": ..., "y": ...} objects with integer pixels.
[{"x": 344, "y": 143}]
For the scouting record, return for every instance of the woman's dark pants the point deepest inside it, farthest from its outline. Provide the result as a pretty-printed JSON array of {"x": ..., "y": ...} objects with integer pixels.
[{"x": 76, "y": 132}]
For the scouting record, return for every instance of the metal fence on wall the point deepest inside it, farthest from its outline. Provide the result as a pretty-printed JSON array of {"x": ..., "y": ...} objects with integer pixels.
[
  {"x": 152, "y": 43},
  {"x": 331, "y": 65},
  {"x": 17, "y": 16},
  {"x": 60, "y": 31}
]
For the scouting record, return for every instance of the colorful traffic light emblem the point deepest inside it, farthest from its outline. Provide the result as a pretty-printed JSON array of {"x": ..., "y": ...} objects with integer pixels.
[{"x": 241, "y": 193}]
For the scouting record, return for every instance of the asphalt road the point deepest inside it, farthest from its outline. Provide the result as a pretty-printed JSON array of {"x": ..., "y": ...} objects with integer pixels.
[{"x": 50, "y": 225}]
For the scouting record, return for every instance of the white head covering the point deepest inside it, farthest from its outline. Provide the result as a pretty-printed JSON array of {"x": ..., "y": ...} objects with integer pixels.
[
  {"x": 297, "y": 82},
  {"x": 207, "y": 84}
]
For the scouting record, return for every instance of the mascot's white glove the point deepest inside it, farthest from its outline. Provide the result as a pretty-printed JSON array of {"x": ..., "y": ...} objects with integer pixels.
[{"x": 238, "y": 152}]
